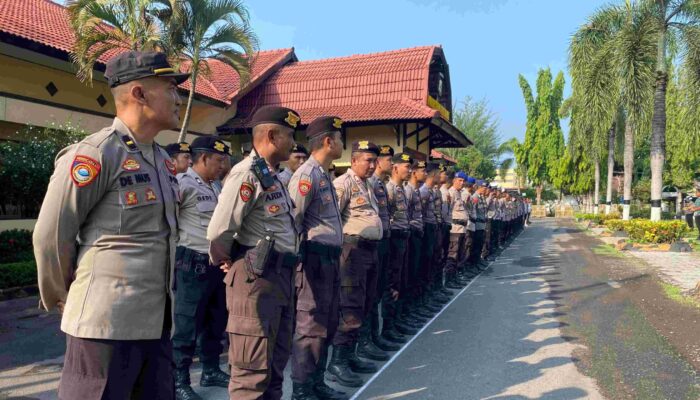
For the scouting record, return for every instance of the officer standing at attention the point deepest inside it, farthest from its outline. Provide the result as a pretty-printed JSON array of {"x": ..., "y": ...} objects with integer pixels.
[
  {"x": 298, "y": 157},
  {"x": 181, "y": 155},
  {"x": 398, "y": 245},
  {"x": 372, "y": 345},
  {"x": 362, "y": 231},
  {"x": 430, "y": 236},
  {"x": 199, "y": 295},
  {"x": 438, "y": 260},
  {"x": 446, "y": 178},
  {"x": 318, "y": 275},
  {"x": 260, "y": 260},
  {"x": 115, "y": 191},
  {"x": 460, "y": 219},
  {"x": 412, "y": 301}
]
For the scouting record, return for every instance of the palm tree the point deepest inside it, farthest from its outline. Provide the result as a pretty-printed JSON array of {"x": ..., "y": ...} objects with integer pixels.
[
  {"x": 105, "y": 26},
  {"x": 678, "y": 26},
  {"x": 205, "y": 30},
  {"x": 611, "y": 60}
]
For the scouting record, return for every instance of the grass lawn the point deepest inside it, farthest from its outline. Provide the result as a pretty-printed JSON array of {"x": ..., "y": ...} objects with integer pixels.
[{"x": 674, "y": 293}]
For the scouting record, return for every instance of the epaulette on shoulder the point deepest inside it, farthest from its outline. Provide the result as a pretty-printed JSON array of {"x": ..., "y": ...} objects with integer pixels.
[{"x": 99, "y": 137}]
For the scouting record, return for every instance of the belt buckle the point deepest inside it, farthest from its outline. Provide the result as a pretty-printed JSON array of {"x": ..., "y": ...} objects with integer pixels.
[{"x": 200, "y": 269}]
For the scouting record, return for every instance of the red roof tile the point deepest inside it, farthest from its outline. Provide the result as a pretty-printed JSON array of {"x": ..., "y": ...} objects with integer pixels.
[
  {"x": 377, "y": 86},
  {"x": 46, "y": 23}
]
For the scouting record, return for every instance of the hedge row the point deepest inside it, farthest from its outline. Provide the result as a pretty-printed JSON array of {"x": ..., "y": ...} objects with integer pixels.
[
  {"x": 17, "y": 274},
  {"x": 598, "y": 218},
  {"x": 16, "y": 246},
  {"x": 646, "y": 231}
]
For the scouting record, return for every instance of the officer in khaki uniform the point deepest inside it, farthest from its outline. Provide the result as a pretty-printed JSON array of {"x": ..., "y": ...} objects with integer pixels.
[
  {"x": 362, "y": 230},
  {"x": 260, "y": 259},
  {"x": 105, "y": 240},
  {"x": 200, "y": 295},
  {"x": 181, "y": 156},
  {"x": 398, "y": 246},
  {"x": 298, "y": 157},
  {"x": 460, "y": 219},
  {"x": 372, "y": 346},
  {"x": 318, "y": 275}
]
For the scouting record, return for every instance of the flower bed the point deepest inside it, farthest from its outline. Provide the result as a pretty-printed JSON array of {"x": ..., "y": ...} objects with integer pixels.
[
  {"x": 599, "y": 219},
  {"x": 17, "y": 274},
  {"x": 646, "y": 231},
  {"x": 15, "y": 246}
]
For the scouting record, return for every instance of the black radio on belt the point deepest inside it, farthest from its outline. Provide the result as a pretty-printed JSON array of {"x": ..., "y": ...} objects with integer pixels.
[
  {"x": 262, "y": 172},
  {"x": 256, "y": 258}
]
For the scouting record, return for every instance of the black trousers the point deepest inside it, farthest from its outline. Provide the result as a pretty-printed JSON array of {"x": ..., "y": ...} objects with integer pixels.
[
  {"x": 117, "y": 369},
  {"x": 200, "y": 309},
  {"x": 477, "y": 246}
]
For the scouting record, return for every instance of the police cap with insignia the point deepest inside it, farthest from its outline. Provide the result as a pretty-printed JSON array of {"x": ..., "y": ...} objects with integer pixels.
[
  {"x": 299, "y": 148},
  {"x": 276, "y": 115},
  {"x": 210, "y": 144},
  {"x": 386, "y": 150},
  {"x": 431, "y": 167},
  {"x": 322, "y": 125},
  {"x": 132, "y": 65},
  {"x": 442, "y": 167},
  {"x": 176, "y": 148},
  {"x": 402, "y": 158},
  {"x": 365, "y": 146},
  {"x": 419, "y": 164}
]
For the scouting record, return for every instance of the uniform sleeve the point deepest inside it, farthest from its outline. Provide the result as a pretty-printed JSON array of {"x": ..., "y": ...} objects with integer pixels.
[
  {"x": 391, "y": 199},
  {"x": 79, "y": 181},
  {"x": 235, "y": 202},
  {"x": 302, "y": 190},
  {"x": 188, "y": 192},
  {"x": 342, "y": 191}
]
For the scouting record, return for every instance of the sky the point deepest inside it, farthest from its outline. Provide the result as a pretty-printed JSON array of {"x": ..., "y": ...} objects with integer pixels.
[{"x": 487, "y": 42}]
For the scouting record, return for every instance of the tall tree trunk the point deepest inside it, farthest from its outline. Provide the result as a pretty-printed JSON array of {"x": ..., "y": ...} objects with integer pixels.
[
  {"x": 679, "y": 203},
  {"x": 611, "y": 167},
  {"x": 538, "y": 189},
  {"x": 629, "y": 168},
  {"x": 658, "y": 130},
  {"x": 596, "y": 197},
  {"x": 188, "y": 110}
]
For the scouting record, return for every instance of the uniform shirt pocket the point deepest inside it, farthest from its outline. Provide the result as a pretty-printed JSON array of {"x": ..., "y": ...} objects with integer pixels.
[
  {"x": 274, "y": 211},
  {"x": 205, "y": 209},
  {"x": 140, "y": 211}
]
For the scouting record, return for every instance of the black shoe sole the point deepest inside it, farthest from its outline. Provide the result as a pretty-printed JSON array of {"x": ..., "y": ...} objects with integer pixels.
[
  {"x": 339, "y": 381},
  {"x": 207, "y": 384}
]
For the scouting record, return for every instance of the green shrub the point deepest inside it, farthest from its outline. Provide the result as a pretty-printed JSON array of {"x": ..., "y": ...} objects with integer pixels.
[
  {"x": 598, "y": 218},
  {"x": 17, "y": 274},
  {"x": 646, "y": 231},
  {"x": 15, "y": 246}
]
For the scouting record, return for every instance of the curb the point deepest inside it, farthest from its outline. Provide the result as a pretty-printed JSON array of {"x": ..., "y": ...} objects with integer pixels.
[{"x": 18, "y": 292}]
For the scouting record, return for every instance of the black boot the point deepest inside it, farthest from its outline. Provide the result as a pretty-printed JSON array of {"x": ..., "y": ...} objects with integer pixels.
[
  {"x": 183, "y": 390},
  {"x": 384, "y": 344},
  {"x": 405, "y": 329},
  {"x": 303, "y": 391},
  {"x": 339, "y": 368},
  {"x": 367, "y": 349},
  {"x": 213, "y": 376},
  {"x": 322, "y": 390},
  {"x": 359, "y": 366},
  {"x": 394, "y": 336}
]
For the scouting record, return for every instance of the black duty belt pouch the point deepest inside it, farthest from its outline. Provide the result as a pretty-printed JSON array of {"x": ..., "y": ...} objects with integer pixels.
[{"x": 256, "y": 259}]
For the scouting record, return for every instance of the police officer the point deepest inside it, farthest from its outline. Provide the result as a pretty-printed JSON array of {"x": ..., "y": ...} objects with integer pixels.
[
  {"x": 372, "y": 344},
  {"x": 435, "y": 288},
  {"x": 200, "y": 297},
  {"x": 398, "y": 246},
  {"x": 413, "y": 304},
  {"x": 260, "y": 259},
  {"x": 318, "y": 276},
  {"x": 298, "y": 157},
  {"x": 446, "y": 178},
  {"x": 181, "y": 156},
  {"x": 430, "y": 236},
  {"x": 105, "y": 240},
  {"x": 362, "y": 231},
  {"x": 477, "y": 249},
  {"x": 458, "y": 232}
]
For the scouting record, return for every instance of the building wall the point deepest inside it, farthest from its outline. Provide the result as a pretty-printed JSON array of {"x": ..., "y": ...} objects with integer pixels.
[
  {"x": 24, "y": 99},
  {"x": 511, "y": 181}
]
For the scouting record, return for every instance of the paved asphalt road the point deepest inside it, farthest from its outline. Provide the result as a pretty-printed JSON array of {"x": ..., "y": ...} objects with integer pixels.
[{"x": 502, "y": 337}]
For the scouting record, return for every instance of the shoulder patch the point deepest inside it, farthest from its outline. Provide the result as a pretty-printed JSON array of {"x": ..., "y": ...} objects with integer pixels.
[
  {"x": 304, "y": 187},
  {"x": 84, "y": 170},
  {"x": 246, "y": 191}
]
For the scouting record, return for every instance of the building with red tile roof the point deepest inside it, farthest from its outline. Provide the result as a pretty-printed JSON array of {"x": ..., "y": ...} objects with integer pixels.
[{"x": 400, "y": 97}]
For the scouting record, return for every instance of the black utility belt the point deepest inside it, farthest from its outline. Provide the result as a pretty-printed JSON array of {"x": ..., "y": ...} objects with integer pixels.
[
  {"x": 321, "y": 249},
  {"x": 401, "y": 233},
  {"x": 462, "y": 222},
  {"x": 360, "y": 242},
  {"x": 275, "y": 258}
]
